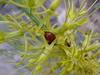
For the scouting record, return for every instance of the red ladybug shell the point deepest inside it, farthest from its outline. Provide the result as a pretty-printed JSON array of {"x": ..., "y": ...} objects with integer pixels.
[{"x": 50, "y": 37}]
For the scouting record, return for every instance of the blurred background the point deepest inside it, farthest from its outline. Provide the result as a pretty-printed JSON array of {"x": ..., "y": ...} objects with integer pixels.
[{"x": 9, "y": 54}]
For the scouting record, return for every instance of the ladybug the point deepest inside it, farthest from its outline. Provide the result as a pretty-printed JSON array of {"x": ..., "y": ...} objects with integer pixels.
[{"x": 50, "y": 37}]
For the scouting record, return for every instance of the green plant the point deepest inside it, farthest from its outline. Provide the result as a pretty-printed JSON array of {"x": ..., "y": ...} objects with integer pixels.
[{"x": 44, "y": 57}]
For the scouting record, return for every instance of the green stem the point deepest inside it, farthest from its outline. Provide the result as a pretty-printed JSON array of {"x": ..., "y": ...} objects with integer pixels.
[
  {"x": 27, "y": 11},
  {"x": 34, "y": 18},
  {"x": 13, "y": 34}
]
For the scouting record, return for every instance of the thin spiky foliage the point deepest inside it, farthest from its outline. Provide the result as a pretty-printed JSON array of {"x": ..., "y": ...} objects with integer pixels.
[{"x": 63, "y": 56}]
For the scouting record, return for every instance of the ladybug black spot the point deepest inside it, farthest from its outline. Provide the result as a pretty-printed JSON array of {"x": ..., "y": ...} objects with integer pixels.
[
  {"x": 67, "y": 43},
  {"x": 86, "y": 56}
]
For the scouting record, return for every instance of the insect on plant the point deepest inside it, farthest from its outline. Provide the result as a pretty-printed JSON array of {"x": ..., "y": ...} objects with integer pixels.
[
  {"x": 45, "y": 49},
  {"x": 50, "y": 37}
]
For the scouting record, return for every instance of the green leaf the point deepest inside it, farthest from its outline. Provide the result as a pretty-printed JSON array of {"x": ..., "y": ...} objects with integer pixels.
[
  {"x": 55, "y": 4},
  {"x": 69, "y": 26},
  {"x": 1, "y": 18},
  {"x": 85, "y": 42},
  {"x": 67, "y": 68},
  {"x": 58, "y": 65},
  {"x": 32, "y": 60},
  {"x": 82, "y": 13},
  {"x": 38, "y": 68},
  {"x": 2, "y": 2},
  {"x": 92, "y": 47},
  {"x": 20, "y": 1},
  {"x": 71, "y": 14},
  {"x": 31, "y": 3},
  {"x": 81, "y": 21},
  {"x": 33, "y": 18},
  {"x": 40, "y": 3},
  {"x": 2, "y": 37}
]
